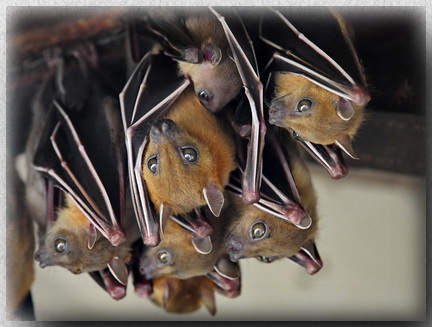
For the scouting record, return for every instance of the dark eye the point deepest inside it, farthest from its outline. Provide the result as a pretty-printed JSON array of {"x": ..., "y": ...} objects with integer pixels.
[
  {"x": 190, "y": 154},
  {"x": 60, "y": 245},
  {"x": 304, "y": 105},
  {"x": 152, "y": 164},
  {"x": 203, "y": 95},
  {"x": 258, "y": 231},
  {"x": 265, "y": 258},
  {"x": 164, "y": 257}
]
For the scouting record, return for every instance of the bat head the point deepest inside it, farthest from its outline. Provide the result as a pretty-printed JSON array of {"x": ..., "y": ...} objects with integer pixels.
[
  {"x": 216, "y": 79},
  {"x": 316, "y": 114},
  {"x": 186, "y": 165},
  {"x": 175, "y": 256},
  {"x": 184, "y": 295},
  {"x": 66, "y": 244},
  {"x": 258, "y": 234}
]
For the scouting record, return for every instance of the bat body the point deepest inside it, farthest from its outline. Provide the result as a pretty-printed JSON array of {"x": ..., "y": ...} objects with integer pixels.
[
  {"x": 316, "y": 85},
  {"x": 258, "y": 233},
  {"x": 184, "y": 295},
  {"x": 189, "y": 151}
]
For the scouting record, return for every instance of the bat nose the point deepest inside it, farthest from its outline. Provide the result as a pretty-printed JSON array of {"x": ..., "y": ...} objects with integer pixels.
[
  {"x": 41, "y": 257},
  {"x": 164, "y": 127},
  {"x": 276, "y": 114},
  {"x": 234, "y": 249}
]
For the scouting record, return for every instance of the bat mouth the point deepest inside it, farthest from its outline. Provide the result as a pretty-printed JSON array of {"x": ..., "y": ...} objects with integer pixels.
[{"x": 329, "y": 156}]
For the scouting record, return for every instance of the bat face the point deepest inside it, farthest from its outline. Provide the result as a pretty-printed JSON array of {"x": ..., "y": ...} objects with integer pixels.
[
  {"x": 66, "y": 245},
  {"x": 175, "y": 256},
  {"x": 216, "y": 80},
  {"x": 316, "y": 114},
  {"x": 183, "y": 295},
  {"x": 181, "y": 160},
  {"x": 261, "y": 235}
]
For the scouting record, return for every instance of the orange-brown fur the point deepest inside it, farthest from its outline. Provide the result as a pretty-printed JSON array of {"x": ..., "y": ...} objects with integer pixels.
[
  {"x": 223, "y": 79},
  {"x": 180, "y": 186},
  {"x": 186, "y": 261},
  {"x": 184, "y": 295},
  {"x": 284, "y": 239},
  {"x": 72, "y": 225},
  {"x": 322, "y": 125}
]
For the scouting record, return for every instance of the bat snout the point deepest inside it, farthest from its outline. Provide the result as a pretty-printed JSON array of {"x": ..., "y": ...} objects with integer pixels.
[
  {"x": 164, "y": 128},
  {"x": 234, "y": 248},
  {"x": 43, "y": 259},
  {"x": 276, "y": 115}
]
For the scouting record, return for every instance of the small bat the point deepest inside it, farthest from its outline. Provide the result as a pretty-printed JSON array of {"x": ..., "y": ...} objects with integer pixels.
[
  {"x": 319, "y": 88},
  {"x": 261, "y": 233},
  {"x": 184, "y": 295},
  {"x": 87, "y": 166},
  {"x": 181, "y": 254},
  {"x": 216, "y": 53},
  {"x": 173, "y": 165}
]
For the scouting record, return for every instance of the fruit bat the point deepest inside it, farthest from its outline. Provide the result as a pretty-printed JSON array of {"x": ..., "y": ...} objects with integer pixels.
[
  {"x": 184, "y": 295},
  {"x": 261, "y": 233},
  {"x": 181, "y": 254},
  {"x": 216, "y": 53},
  {"x": 174, "y": 166},
  {"x": 316, "y": 85},
  {"x": 71, "y": 157}
]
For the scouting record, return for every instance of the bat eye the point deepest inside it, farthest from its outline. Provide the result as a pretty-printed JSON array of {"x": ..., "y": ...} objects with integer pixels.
[
  {"x": 60, "y": 245},
  {"x": 258, "y": 231},
  {"x": 266, "y": 258},
  {"x": 190, "y": 154},
  {"x": 152, "y": 164},
  {"x": 203, "y": 95},
  {"x": 304, "y": 105},
  {"x": 164, "y": 257}
]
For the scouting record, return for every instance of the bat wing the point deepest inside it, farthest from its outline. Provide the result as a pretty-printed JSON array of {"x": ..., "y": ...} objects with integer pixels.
[
  {"x": 88, "y": 166},
  {"x": 151, "y": 89},
  {"x": 244, "y": 57},
  {"x": 324, "y": 55}
]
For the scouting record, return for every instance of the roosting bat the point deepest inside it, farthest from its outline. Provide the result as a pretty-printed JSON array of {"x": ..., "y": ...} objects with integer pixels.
[
  {"x": 87, "y": 166},
  {"x": 217, "y": 55},
  {"x": 261, "y": 231},
  {"x": 179, "y": 154},
  {"x": 317, "y": 85}
]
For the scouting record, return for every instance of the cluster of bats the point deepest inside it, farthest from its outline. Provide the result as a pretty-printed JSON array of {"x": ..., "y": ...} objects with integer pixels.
[{"x": 199, "y": 161}]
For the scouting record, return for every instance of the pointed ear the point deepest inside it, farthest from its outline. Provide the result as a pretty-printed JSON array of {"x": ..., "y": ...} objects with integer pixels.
[
  {"x": 93, "y": 236},
  {"x": 119, "y": 270},
  {"x": 164, "y": 214},
  {"x": 227, "y": 268},
  {"x": 345, "y": 144},
  {"x": 208, "y": 299},
  {"x": 344, "y": 109},
  {"x": 167, "y": 291},
  {"x": 214, "y": 198},
  {"x": 202, "y": 245}
]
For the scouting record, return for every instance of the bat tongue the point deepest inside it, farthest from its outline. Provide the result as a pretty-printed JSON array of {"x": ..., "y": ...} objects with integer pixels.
[
  {"x": 308, "y": 258},
  {"x": 329, "y": 156}
]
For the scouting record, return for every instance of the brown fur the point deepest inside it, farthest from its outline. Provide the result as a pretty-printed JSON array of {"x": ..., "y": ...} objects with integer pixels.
[
  {"x": 72, "y": 225},
  {"x": 223, "y": 80},
  {"x": 184, "y": 295},
  {"x": 284, "y": 239},
  {"x": 186, "y": 261},
  {"x": 179, "y": 185},
  {"x": 321, "y": 125}
]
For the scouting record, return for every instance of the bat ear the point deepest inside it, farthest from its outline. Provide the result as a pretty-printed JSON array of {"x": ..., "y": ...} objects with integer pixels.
[
  {"x": 93, "y": 236},
  {"x": 212, "y": 54},
  {"x": 208, "y": 299},
  {"x": 227, "y": 268},
  {"x": 214, "y": 198},
  {"x": 119, "y": 270},
  {"x": 344, "y": 109},
  {"x": 202, "y": 245},
  {"x": 164, "y": 214},
  {"x": 345, "y": 144},
  {"x": 167, "y": 291}
]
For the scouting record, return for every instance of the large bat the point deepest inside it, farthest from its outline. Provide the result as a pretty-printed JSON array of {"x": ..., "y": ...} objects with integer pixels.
[
  {"x": 87, "y": 166},
  {"x": 217, "y": 54},
  {"x": 316, "y": 83}
]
